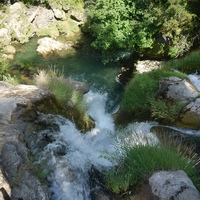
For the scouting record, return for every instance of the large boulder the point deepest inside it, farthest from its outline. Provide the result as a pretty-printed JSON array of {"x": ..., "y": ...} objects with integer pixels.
[
  {"x": 177, "y": 89},
  {"x": 48, "y": 45},
  {"x": 13, "y": 96},
  {"x": 17, "y": 24},
  {"x": 174, "y": 185},
  {"x": 174, "y": 89}
]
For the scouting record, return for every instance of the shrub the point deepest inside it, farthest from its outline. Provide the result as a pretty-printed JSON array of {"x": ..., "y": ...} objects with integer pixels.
[{"x": 140, "y": 93}]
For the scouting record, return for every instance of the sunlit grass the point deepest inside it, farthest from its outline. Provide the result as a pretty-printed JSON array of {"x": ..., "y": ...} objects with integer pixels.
[
  {"x": 138, "y": 162},
  {"x": 59, "y": 86},
  {"x": 140, "y": 93}
]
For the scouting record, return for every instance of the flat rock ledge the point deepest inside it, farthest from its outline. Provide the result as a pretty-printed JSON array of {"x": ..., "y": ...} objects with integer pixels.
[{"x": 16, "y": 179}]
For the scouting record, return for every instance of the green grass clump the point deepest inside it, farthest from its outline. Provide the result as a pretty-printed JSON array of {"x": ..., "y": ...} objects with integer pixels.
[
  {"x": 139, "y": 162},
  {"x": 188, "y": 64},
  {"x": 60, "y": 87},
  {"x": 140, "y": 93},
  {"x": 166, "y": 112}
]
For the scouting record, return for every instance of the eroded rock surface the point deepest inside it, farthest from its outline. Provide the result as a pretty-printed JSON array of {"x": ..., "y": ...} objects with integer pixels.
[
  {"x": 174, "y": 88},
  {"x": 176, "y": 185}
]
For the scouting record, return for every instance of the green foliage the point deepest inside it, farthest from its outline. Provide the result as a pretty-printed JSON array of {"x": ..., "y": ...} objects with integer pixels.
[
  {"x": 132, "y": 25},
  {"x": 10, "y": 79},
  {"x": 168, "y": 113},
  {"x": 188, "y": 64},
  {"x": 140, "y": 93},
  {"x": 139, "y": 162}
]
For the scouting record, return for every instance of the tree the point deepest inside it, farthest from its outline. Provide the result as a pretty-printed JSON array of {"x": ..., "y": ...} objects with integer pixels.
[{"x": 131, "y": 25}]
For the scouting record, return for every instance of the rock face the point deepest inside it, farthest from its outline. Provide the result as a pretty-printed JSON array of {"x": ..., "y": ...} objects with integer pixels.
[
  {"x": 176, "y": 185},
  {"x": 190, "y": 115},
  {"x": 19, "y": 182},
  {"x": 15, "y": 164},
  {"x": 181, "y": 90},
  {"x": 12, "y": 96},
  {"x": 174, "y": 88},
  {"x": 20, "y": 23}
]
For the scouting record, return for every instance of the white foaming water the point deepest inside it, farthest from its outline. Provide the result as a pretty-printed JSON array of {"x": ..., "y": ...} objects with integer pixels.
[
  {"x": 70, "y": 177},
  {"x": 195, "y": 80}
]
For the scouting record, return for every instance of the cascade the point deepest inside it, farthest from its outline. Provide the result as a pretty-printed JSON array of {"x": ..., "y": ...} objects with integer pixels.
[{"x": 70, "y": 180}]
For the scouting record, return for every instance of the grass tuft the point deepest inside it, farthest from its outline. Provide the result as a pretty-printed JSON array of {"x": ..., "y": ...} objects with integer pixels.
[{"x": 139, "y": 162}]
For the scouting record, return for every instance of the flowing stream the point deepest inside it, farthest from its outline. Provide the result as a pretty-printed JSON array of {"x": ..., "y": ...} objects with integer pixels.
[{"x": 69, "y": 178}]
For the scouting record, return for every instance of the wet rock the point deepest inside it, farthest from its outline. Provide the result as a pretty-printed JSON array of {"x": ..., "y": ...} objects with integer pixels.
[
  {"x": 175, "y": 185},
  {"x": 170, "y": 134},
  {"x": 79, "y": 86}
]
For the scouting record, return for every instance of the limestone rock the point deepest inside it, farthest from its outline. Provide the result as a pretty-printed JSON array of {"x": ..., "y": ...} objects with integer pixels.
[
  {"x": 17, "y": 23},
  {"x": 175, "y": 185},
  {"x": 48, "y": 45},
  {"x": 5, "y": 37},
  {"x": 174, "y": 88},
  {"x": 24, "y": 185},
  {"x": 190, "y": 115},
  {"x": 147, "y": 65},
  {"x": 59, "y": 14},
  {"x": 40, "y": 17},
  {"x": 12, "y": 96}
]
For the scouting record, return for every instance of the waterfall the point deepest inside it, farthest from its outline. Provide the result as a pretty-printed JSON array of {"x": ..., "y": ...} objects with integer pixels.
[
  {"x": 69, "y": 179},
  {"x": 195, "y": 80}
]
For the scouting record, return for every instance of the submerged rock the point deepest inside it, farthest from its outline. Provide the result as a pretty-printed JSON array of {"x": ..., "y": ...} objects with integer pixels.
[{"x": 48, "y": 45}]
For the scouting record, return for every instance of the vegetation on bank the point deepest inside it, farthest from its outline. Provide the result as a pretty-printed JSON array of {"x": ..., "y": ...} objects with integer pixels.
[
  {"x": 131, "y": 26},
  {"x": 65, "y": 94},
  {"x": 140, "y": 97},
  {"x": 138, "y": 162},
  {"x": 189, "y": 64}
]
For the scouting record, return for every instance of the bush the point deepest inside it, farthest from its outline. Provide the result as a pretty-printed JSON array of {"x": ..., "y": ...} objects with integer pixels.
[{"x": 140, "y": 93}]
